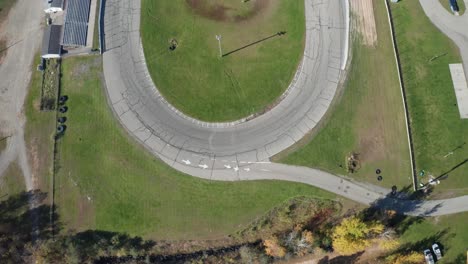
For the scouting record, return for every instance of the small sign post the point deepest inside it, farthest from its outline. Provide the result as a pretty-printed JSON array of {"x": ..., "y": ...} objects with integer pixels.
[{"x": 218, "y": 37}]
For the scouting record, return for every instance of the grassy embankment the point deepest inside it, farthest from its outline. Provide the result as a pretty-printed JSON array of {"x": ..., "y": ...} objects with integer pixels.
[
  {"x": 131, "y": 191},
  {"x": 368, "y": 118},
  {"x": 435, "y": 120},
  {"x": 39, "y": 132},
  {"x": 197, "y": 81}
]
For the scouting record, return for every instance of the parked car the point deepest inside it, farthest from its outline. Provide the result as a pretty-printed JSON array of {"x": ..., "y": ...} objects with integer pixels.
[
  {"x": 454, "y": 5},
  {"x": 436, "y": 250},
  {"x": 428, "y": 256}
]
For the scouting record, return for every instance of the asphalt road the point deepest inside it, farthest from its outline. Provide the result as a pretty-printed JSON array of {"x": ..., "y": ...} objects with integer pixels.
[{"x": 241, "y": 150}]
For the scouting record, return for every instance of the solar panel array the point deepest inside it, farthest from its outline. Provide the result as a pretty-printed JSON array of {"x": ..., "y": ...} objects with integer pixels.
[{"x": 76, "y": 23}]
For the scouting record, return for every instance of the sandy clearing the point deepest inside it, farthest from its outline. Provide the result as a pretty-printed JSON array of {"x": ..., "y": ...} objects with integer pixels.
[{"x": 363, "y": 10}]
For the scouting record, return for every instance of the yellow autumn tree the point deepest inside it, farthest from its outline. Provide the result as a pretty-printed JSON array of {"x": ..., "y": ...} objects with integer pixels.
[
  {"x": 388, "y": 244},
  {"x": 308, "y": 237},
  {"x": 353, "y": 235},
  {"x": 273, "y": 248}
]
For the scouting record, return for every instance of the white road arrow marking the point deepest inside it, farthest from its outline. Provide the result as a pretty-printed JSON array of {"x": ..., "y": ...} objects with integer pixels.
[
  {"x": 227, "y": 166},
  {"x": 236, "y": 168},
  {"x": 204, "y": 166},
  {"x": 187, "y": 162},
  {"x": 247, "y": 169}
]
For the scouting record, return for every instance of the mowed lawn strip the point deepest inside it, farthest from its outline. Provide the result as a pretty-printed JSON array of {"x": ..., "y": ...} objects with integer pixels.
[
  {"x": 201, "y": 84},
  {"x": 130, "y": 190},
  {"x": 39, "y": 133},
  {"x": 435, "y": 119},
  {"x": 368, "y": 119}
]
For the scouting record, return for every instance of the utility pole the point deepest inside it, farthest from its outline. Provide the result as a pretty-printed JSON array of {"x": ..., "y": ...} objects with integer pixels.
[{"x": 218, "y": 37}]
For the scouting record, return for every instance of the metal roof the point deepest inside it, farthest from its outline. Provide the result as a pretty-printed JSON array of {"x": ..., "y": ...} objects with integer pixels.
[
  {"x": 51, "y": 40},
  {"x": 76, "y": 23},
  {"x": 57, "y": 3}
]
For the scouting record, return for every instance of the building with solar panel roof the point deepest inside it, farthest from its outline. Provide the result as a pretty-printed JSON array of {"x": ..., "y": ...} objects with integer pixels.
[
  {"x": 54, "y": 6},
  {"x": 75, "y": 29}
]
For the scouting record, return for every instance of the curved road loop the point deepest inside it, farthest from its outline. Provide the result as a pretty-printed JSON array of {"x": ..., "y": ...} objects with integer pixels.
[
  {"x": 241, "y": 150},
  {"x": 221, "y": 150}
]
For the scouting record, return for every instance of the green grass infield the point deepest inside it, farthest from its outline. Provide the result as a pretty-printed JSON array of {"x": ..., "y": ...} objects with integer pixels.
[{"x": 257, "y": 66}]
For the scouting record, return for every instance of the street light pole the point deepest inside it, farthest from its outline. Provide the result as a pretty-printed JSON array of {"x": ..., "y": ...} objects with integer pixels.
[{"x": 218, "y": 37}]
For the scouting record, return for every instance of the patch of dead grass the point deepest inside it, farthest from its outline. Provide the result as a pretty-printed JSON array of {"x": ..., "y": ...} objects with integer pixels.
[{"x": 365, "y": 20}]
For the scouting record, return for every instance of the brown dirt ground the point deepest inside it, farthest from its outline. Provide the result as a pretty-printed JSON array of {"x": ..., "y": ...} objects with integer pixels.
[
  {"x": 85, "y": 213},
  {"x": 371, "y": 144},
  {"x": 370, "y": 256},
  {"x": 220, "y": 12},
  {"x": 364, "y": 12},
  {"x": 34, "y": 161}
]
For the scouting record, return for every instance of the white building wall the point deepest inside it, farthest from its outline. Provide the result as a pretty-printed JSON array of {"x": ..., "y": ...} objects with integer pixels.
[
  {"x": 53, "y": 10},
  {"x": 51, "y": 56}
]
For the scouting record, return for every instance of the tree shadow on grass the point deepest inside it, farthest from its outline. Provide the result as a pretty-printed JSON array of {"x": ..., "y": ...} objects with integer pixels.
[
  {"x": 400, "y": 214},
  {"x": 26, "y": 231},
  {"x": 457, "y": 166},
  {"x": 341, "y": 259},
  {"x": 26, "y": 234},
  {"x": 424, "y": 243},
  {"x": 400, "y": 210},
  {"x": 24, "y": 222},
  {"x": 93, "y": 244},
  {"x": 25, "y": 217}
]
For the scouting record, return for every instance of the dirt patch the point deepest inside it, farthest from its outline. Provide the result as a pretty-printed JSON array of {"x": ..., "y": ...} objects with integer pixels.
[
  {"x": 365, "y": 20},
  {"x": 34, "y": 161},
  {"x": 85, "y": 213},
  {"x": 354, "y": 163},
  {"x": 83, "y": 68},
  {"x": 372, "y": 144},
  {"x": 228, "y": 11}
]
